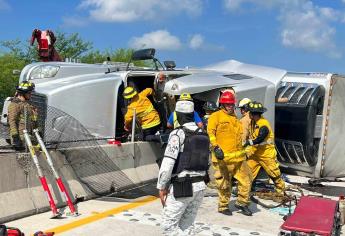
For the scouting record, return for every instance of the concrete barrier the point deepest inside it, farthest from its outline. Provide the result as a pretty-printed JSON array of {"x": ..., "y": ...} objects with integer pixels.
[{"x": 21, "y": 193}]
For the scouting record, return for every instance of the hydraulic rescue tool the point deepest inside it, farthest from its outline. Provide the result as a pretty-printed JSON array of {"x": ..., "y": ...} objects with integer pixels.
[
  {"x": 42, "y": 178},
  {"x": 58, "y": 179}
]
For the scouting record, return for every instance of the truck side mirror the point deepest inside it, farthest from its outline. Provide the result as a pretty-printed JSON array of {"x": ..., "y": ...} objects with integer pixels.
[{"x": 170, "y": 65}]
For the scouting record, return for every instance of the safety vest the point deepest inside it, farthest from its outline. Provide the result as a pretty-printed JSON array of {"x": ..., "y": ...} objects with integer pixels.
[
  {"x": 195, "y": 155},
  {"x": 176, "y": 123}
]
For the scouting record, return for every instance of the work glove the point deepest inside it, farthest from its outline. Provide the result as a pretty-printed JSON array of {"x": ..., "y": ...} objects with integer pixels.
[
  {"x": 218, "y": 152},
  {"x": 17, "y": 143},
  {"x": 249, "y": 150},
  {"x": 248, "y": 142}
]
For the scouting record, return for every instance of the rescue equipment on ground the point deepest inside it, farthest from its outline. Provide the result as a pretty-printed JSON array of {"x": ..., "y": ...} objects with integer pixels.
[
  {"x": 288, "y": 198},
  {"x": 58, "y": 179},
  {"x": 227, "y": 98},
  {"x": 45, "y": 45},
  {"x": 195, "y": 155},
  {"x": 40, "y": 233},
  {"x": 10, "y": 231},
  {"x": 42, "y": 178},
  {"x": 313, "y": 216}
]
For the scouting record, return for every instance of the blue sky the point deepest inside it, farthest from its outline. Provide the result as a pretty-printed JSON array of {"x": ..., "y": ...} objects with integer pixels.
[{"x": 297, "y": 35}]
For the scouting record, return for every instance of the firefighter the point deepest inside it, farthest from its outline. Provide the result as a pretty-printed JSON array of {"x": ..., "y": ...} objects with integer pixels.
[
  {"x": 21, "y": 114},
  {"x": 185, "y": 162},
  {"x": 225, "y": 132},
  {"x": 173, "y": 121},
  {"x": 146, "y": 114},
  {"x": 245, "y": 119},
  {"x": 209, "y": 108},
  {"x": 262, "y": 152}
]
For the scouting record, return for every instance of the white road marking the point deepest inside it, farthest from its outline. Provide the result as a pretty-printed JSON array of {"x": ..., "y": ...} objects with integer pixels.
[{"x": 205, "y": 229}]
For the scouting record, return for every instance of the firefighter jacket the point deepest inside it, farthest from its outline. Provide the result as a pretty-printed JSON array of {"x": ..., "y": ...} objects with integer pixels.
[
  {"x": 146, "y": 114},
  {"x": 266, "y": 148},
  {"x": 21, "y": 115},
  {"x": 245, "y": 121},
  {"x": 225, "y": 131}
]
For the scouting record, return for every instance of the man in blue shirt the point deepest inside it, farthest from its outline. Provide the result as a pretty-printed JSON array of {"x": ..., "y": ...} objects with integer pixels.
[{"x": 173, "y": 122}]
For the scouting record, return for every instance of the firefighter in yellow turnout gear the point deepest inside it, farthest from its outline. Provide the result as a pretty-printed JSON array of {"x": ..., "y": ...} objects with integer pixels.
[
  {"x": 228, "y": 156},
  {"x": 21, "y": 114},
  {"x": 245, "y": 119},
  {"x": 146, "y": 114},
  {"x": 260, "y": 147}
]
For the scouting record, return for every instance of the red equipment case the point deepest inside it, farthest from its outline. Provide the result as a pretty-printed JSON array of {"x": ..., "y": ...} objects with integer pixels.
[
  {"x": 10, "y": 231},
  {"x": 313, "y": 216}
]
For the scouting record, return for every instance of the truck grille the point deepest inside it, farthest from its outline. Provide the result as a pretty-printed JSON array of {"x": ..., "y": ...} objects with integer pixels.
[
  {"x": 40, "y": 102},
  {"x": 290, "y": 152},
  {"x": 296, "y": 93}
]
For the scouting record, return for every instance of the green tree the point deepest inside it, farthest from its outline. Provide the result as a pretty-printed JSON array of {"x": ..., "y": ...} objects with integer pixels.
[
  {"x": 8, "y": 81},
  {"x": 71, "y": 46},
  {"x": 15, "y": 54},
  {"x": 67, "y": 45},
  {"x": 19, "y": 49}
]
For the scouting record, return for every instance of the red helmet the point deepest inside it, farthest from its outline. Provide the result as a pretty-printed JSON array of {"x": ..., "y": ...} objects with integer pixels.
[{"x": 227, "y": 98}]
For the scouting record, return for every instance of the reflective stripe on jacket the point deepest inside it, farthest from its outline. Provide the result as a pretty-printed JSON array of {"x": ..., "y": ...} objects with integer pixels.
[
  {"x": 21, "y": 115},
  {"x": 145, "y": 113},
  {"x": 267, "y": 147}
]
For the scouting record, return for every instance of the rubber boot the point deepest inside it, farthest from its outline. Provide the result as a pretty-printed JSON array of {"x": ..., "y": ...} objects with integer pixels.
[
  {"x": 244, "y": 210},
  {"x": 226, "y": 212}
]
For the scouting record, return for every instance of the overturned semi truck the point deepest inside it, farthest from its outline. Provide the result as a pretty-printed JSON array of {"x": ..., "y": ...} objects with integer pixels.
[{"x": 306, "y": 109}]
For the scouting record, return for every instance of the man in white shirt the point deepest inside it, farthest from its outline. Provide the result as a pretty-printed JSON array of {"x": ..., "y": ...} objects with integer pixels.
[{"x": 181, "y": 179}]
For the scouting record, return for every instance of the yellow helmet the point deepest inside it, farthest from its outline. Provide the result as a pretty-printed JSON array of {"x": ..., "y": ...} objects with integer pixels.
[
  {"x": 129, "y": 92},
  {"x": 244, "y": 102},
  {"x": 185, "y": 97}
]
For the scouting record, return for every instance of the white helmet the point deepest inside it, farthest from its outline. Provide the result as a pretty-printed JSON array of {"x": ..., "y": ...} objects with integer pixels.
[{"x": 243, "y": 102}]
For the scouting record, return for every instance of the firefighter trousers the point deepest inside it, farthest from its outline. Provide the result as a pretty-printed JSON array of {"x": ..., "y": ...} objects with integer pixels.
[
  {"x": 271, "y": 166},
  {"x": 223, "y": 174}
]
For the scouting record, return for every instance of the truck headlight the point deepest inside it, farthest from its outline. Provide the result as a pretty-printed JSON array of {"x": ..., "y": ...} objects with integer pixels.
[{"x": 44, "y": 71}]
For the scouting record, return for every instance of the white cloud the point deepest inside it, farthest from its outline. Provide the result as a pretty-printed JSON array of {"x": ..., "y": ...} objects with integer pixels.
[
  {"x": 303, "y": 24},
  {"x": 308, "y": 27},
  {"x": 329, "y": 13},
  {"x": 131, "y": 10},
  {"x": 4, "y": 5},
  {"x": 234, "y": 5},
  {"x": 160, "y": 39},
  {"x": 196, "y": 41}
]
